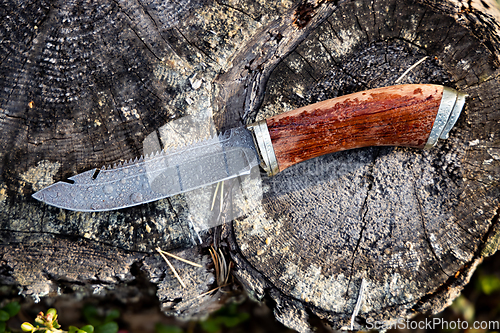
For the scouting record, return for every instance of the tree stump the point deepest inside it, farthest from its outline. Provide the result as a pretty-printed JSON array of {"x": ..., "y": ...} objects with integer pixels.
[{"x": 86, "y": 84}]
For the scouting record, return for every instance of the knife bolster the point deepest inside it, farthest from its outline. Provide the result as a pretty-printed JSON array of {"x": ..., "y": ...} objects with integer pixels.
[
  {"x": 405, "y": 115},
  {"x": 264, "y": 147}
]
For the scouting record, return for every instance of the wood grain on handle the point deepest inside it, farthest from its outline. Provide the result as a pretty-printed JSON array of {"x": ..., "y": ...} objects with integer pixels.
[{"x": 391, "y": 116}]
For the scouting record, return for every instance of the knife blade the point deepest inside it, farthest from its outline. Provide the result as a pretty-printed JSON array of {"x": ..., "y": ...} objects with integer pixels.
[
  {"x": 404, "y": 115},
  {"x": 157, "y": 176}
]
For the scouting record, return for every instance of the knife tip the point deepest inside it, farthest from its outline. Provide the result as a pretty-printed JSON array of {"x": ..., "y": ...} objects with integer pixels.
[{"x": 36, "y": 196}]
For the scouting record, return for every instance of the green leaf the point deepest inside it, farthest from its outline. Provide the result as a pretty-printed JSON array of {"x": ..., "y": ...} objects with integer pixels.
[
  {"x": 162, "y": 328},
  {"x": 234, "y": 320},
  {"x": 73, "y": 329},
  {"x": 91, "y": 315},
  {"x": 210, "y": 325},
  {"x": 464, "y": 307},
  {"x": 3, "y": 325},
  {"x": 489, "y": 284},
  {"x": 112, "y": 315},
  {"x": 111, "y": 327},
  {"x": 4, "y": 316},
  {"x": 230, "y": 321},
  {"x": 12, "y": 308},
  {"x": 88, "y": 328}
]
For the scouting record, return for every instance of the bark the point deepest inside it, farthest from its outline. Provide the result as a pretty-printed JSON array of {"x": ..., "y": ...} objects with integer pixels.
[{"x": 88, "y": 84}]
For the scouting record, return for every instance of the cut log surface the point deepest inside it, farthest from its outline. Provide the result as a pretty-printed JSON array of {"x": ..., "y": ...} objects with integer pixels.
[{"x": 86, "y": 84}]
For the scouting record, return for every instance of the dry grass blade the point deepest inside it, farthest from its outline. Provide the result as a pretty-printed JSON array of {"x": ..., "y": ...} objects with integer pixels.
[
  {"x": 221, "y": 270},
  {"x": 214, "y": 256},
  {"x": 227, "y": 274},
  {"x": 224, "y": 274},
  {"x": 221, "y": 266}
]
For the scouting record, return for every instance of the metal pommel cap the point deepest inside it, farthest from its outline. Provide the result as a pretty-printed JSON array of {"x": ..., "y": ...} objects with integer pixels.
[{"x": 450, "y": 108}]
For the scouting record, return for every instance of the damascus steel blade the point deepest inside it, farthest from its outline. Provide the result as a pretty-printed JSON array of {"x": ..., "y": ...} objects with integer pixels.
[{"x": 158, "y": 176}]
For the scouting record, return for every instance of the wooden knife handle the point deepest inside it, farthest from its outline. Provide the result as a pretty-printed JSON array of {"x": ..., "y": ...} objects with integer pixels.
[{"x": 403, "y": 115}]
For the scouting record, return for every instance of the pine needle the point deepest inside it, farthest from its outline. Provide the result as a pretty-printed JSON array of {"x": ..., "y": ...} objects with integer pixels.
[
  {"x": 210, "y": 291},
  {"x": 173, "y": 270},
  {"x": 215, "y": 196},
  {"x": 178, "y": 258},
  {"x": 221, "y": 196},
  {"x": 359, "y": 302},
  {"x": 409, "y": 69}
]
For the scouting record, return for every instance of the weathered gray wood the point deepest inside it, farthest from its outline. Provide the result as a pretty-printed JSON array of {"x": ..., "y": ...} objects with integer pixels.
[{"x": 84, "y": 85}]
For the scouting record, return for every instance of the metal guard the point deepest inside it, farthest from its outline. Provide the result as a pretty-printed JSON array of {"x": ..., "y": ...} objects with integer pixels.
[{"x": 450, "y": 108}]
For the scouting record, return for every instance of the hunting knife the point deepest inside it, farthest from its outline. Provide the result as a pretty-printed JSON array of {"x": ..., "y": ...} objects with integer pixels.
[{"x": 414, "y": 115}]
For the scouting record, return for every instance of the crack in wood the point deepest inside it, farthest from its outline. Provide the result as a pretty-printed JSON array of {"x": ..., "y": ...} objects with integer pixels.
[
  {"x": 198, "y": 48},
  {"x": 158, "y": 29},
  {"x": 363, "y": 211},
  {"x": 308, "y": 64},
  {"x": 235, "y": 9},
  {"x": 135, "y": 31},
  {"x": 424, "y": 228}
]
